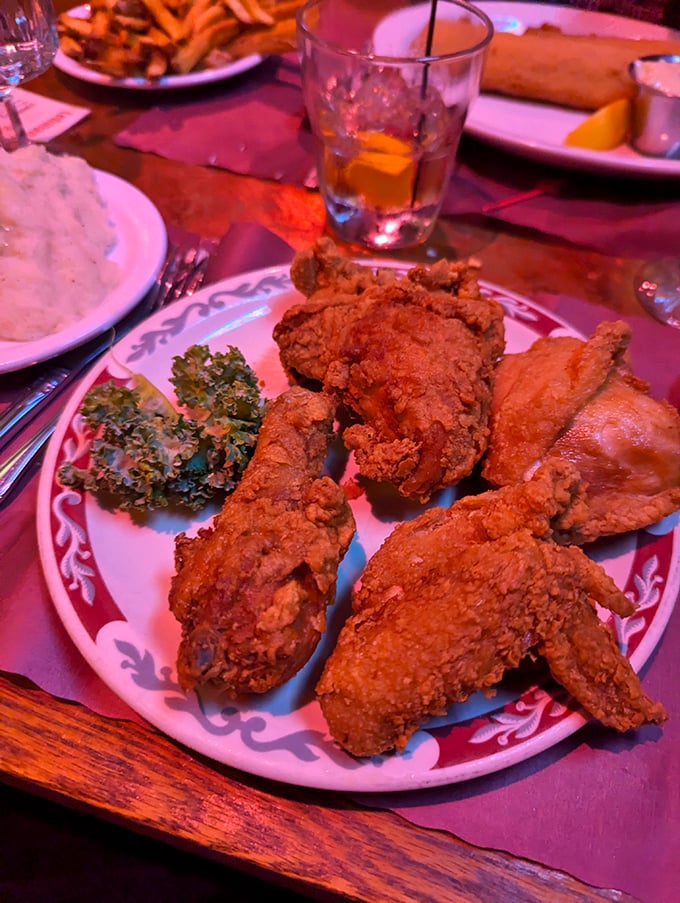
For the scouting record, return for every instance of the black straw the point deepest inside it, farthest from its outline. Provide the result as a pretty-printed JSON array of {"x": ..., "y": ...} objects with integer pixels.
[
  {"x": 428, "y": 45},
  {"x": 423, "y": 91}
]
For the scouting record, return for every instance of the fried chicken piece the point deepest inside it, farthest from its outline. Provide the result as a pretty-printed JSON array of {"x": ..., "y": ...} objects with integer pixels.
[
  {"x": 309, "y": 335},
  {"x": 411, "y": 359},
  {"x": 323, "y": 267},
  {"x": 456, "y": 597},
  {"x": 579, "y": 400},
  {"x": 251, "y": 591}
]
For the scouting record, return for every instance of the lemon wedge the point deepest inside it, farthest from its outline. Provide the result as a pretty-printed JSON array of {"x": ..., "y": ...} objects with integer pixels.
[
  {"x": 383, "y": 170},
  {"x": 604, "y": 129}
]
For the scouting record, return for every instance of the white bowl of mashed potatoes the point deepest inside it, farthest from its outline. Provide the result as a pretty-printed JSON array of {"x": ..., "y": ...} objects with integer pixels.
[
  {"x": 54, "y": 245},
  {"x": 78, "y": 248}
]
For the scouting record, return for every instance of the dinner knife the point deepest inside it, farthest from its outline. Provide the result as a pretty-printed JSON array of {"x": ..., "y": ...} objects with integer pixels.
[{"x": 32, "y": 399}]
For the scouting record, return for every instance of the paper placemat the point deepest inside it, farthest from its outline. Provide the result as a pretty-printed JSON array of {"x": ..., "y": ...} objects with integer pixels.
[{"x": 44, "y": 118}]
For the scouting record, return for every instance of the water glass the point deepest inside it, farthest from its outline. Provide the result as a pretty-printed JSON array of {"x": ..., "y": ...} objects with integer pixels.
[
  {"x": 387, "y": 86},
  {"x": 28, "y": 44}
]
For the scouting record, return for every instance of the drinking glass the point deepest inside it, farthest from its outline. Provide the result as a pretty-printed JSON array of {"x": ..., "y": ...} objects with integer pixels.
[
  {"x": 387, "y": 85},
  {"x": 28, "y": 44},
  {"x": 657, "y": 287}
]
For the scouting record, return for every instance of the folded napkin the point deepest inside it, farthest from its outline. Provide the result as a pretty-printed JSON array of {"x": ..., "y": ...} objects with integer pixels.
[
  {"x": 617, "y": 216},
  {"x": 601, "y": 806},
  {"x": 252, "y": 127},
  {"x": 255, "y": 125}
]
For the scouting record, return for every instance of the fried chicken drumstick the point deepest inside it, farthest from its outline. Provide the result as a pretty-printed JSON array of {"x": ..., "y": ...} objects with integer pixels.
[
  {"x": 251, "y": 591},
  {"x": 411, "y": 359},
  {"x": 578, "y": 400},
  {"x": 456, "y": 597}
]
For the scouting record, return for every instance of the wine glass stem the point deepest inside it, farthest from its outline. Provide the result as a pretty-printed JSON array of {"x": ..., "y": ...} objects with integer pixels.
[{"x": 17, "y": 136}]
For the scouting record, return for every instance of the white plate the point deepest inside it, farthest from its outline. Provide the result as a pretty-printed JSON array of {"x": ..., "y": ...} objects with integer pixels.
[
  {"x": 109, "y": 576},
  {"x": 537, "y": 130},
  {"x": 166, "y": 83},
  {"x": 139, "y": 252}
]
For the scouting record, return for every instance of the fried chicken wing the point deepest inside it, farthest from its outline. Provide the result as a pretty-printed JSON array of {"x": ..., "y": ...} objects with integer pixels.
[
  {"x": 251, "y": 591},
  {"x": 578, "y": 400},
  {"x": 411, "y": 358},
  {"x": 456, "y": 597}
]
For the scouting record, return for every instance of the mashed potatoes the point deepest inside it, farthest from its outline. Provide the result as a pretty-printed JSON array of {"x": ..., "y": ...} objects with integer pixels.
[{"x": 54, "y": 237}]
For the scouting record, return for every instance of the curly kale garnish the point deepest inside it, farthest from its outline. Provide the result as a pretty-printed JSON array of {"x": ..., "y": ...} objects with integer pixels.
[{"x": 146, "y": 454}]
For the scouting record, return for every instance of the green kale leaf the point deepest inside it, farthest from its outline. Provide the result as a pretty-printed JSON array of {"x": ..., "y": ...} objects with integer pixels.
[{"x": 145, "y": 453}]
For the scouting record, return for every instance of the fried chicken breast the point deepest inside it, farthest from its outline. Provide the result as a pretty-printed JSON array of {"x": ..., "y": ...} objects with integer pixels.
[
  {"x": 251, "y": 591},
  {"x": 411, "y": 358},
  {"x": 458, "y": 596},
  {"x": 578, "y": 400}
]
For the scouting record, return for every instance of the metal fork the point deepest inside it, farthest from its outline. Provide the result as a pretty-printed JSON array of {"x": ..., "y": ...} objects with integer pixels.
[{"x": 182, "y": 274}]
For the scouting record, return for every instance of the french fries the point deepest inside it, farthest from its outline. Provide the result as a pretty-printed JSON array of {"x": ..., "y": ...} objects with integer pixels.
[{"x": 153, "y": 38}]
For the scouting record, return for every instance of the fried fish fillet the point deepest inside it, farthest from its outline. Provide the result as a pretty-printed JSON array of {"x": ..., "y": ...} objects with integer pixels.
[
  {"x": 580, "y": 71},
  {"x": 251, "y": 591}
]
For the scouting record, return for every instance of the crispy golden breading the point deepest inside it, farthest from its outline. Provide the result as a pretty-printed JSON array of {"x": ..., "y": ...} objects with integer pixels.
[
  {"x": 458, "y": 596},
  {"x": 580, "y": 71},
  {"x": 152, "y": 38},
  {"x": 251, "y": 591},
  {"x": 578, "y": 400},
  {"x": 410, "y": 358}
]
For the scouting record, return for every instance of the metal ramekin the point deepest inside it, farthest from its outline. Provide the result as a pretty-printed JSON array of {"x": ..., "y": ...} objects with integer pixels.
[{"x": 656, "y": 111}]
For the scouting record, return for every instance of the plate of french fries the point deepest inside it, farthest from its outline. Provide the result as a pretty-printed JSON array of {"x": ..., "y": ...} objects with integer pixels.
[{"x": 161, "y": 44}]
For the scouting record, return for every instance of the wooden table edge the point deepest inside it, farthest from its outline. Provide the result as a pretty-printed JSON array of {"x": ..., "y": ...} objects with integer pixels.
[{"x": 318, "y": 843}]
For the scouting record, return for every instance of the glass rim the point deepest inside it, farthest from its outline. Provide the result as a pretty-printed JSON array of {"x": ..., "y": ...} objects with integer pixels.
[{"x": 474, "y": 49}]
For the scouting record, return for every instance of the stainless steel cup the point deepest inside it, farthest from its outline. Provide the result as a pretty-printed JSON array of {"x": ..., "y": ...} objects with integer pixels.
[{"x": 656, "y": 106}]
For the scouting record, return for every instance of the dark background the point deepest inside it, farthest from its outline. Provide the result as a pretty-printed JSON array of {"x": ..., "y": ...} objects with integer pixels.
[{"x": 49, "y": 854}]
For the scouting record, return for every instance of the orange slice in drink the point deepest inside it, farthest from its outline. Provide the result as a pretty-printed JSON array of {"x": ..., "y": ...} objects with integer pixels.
[{"x": 383, "y": 170}]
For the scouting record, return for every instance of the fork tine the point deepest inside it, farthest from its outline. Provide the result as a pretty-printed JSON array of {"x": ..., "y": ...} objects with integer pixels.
[
  {"x": 187, "y": 273},
  {"x": 165, "y": 280},
  {"x": 178, "y": 264},
  {"x": 196, "y": 279}
]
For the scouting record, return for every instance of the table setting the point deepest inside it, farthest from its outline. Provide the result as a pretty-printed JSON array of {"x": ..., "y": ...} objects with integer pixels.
[{"x": 549, "y": 804}]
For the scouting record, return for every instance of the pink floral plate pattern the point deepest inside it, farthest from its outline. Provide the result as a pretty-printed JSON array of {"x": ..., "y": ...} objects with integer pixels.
[{"x": 109, "y": 574}]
